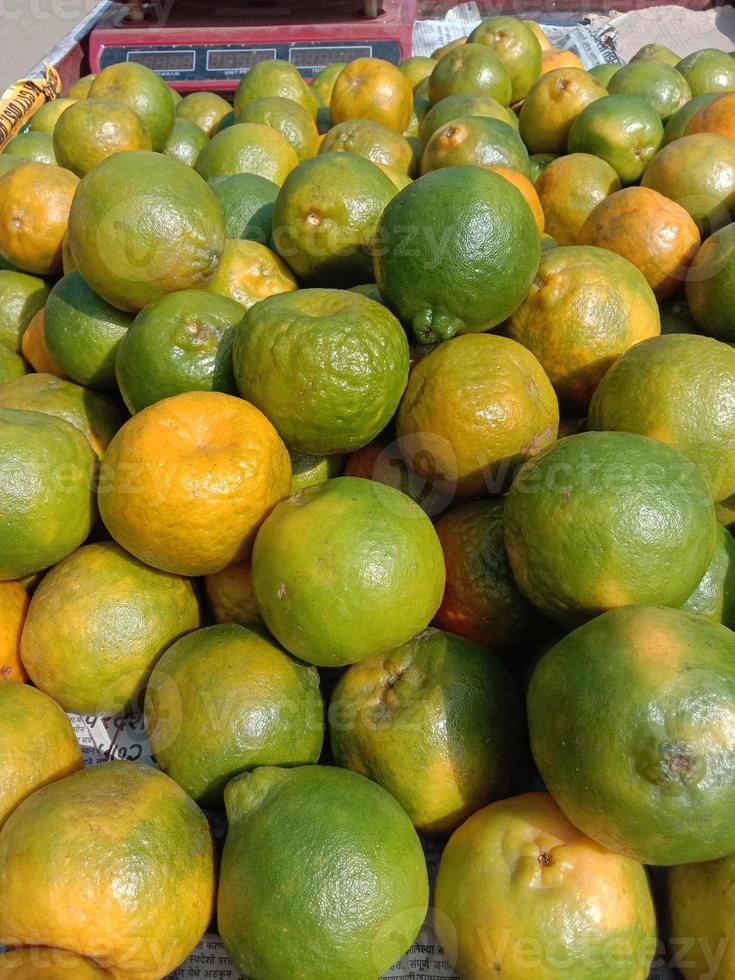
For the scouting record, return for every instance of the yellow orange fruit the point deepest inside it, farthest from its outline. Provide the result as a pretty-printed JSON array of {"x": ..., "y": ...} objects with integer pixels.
[
  {"x": 653, "y": 233},
  {"x": 187, "y": 482},
  {"x": 35, "y": 351},
  {"x": 370, "y": 88},
  {"x": 249, "y": 272},
  {"x": 35, "y": 199},
  {"x": 526, "y": 188},
  {"x": 14, "y": 602},
  {"x": 559, "y": 58},
  {"x": 37, "y": 743},
  {"x": 231, "y": 597}
]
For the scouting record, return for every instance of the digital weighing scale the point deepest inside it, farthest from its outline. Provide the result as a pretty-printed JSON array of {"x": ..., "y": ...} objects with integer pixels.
[{"x": 203, "y": 44}]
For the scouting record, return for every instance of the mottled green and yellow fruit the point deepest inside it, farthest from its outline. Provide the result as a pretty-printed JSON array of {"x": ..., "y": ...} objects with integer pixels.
[
  {"x": 37, "y": 742},
  {"x": 653, "y": 518},
  {"x": 226, "y": 700},
  {"x": 328, "y": 367},
  {"x": 47, "y": 493},
  {"x": 522, "y": 893},
  {"x": 68, "y": 837},
  {"x": 98, "y": 623},
  {"x": 651, "y": 722},
  {"x": 436, "y": 722},
  {"x": 347, "y": 569}
]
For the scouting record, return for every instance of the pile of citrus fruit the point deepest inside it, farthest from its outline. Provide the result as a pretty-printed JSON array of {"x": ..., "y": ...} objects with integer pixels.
[{"x": 375, "y": 440}]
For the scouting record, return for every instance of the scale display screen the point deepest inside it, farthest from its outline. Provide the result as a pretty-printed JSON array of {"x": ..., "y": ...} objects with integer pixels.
[
  {"x": 319, "y": 57},
  {"x": 165, "y": 61},
  {"x": 222, "y": 65},
  {"x": 232, "y": 59}
]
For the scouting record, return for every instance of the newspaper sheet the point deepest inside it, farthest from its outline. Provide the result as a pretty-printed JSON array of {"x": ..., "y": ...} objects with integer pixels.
[
  {"x": 587, "y": 44},
  {"x": 680, "y": 29}
]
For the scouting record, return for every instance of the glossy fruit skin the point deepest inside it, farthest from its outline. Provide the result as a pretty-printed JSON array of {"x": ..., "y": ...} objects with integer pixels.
[
  {"x": 661, "y": 702},
  {"x": 80, "y": 88},
  {"x": 309, "y": 468},
  {"x": 143, "y": 91},
  {"x": 606, "y": 519},
  {"x": 47, "y": 471},
  {"x": 46, "y": 116},
  {"x": 325, "y": 218},
  {"x": 470, "y": 68},
  {"x": 523, "y": 893},
  {"x": 246, "y": 202},
  {"x": 37, "y": 742},
  {"x": 35, "y": 201},
  {"x": 21, "y": 297},
  {"x": 31, "y": 146},
  {"x": 524, "y": 185},
  {"x": 370, "y": 88},
  {"x": 148, "y": 830},
  {"x": 247, "y": 148},
  {"x": 94, "y": 131},
  {"x": 507, "y": 412},
  {"x": 714, "y": 597},
  {"x": 274, "y": 78},
  {"x": 698, "y": 172},
  {"x": 559, "y": 58},
  {"x": 435, "y": 722},
  {"x": 226, "y": 700},
  {"x": 165, "y": 235},
  {"x": 653, "y": 233},
  {"x": 12, "y": 365},
  {"x": 481, "y": 599},
  {"x": 187, "y": 482},
  {"x": 303, "y": 845},
  {"x": 679, "y": 389},
  {"x": 710, "y": 284},
  {"x": 286, "y": 117},
  {"x": 624, "y": 130},
  {"x": 332, "y": 605},
  {"x": 205, "y": 109},
  {"x": 96, "y": 415},
  {"x": 518, "y": 48},
  {"x": 82, "y": 332},
  {"x": 180, "y": 343},
  {"x": 700, "y": 903},
  {"x": 569, "y": 188},
  {"x": 603, "y": 73},
  {"x": 371, "y": 140},
  {"x": 185, "y": 142},
  {"x": 656, "y": 52},
  {"x": 323, "y": 84},
  {"x": 715, "y": 116},
  {"x": 585, "y": 308},
  {"x": 477, "y": 141},
  {"x": 34, "y": 349},
  {"x": 14, "y": 600},
  {"x": 328, "y": 367},
  {"x": 428, "y": 266},
  {"x": 34, "y": 963},
  {"x": 552, "y": 105},
  {"x": 708, "y": 70},
  {"x": 97, "y": 624},
  {"x": 460, "y": 105},
  {"x": 677, "y": 125},
  {"x": 660, "y": 84},
  {"x": 249, "y": 272}
]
